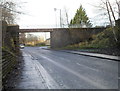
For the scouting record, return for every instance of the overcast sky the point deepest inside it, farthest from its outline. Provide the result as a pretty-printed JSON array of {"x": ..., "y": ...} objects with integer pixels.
[{"x": 40, "y": 13}]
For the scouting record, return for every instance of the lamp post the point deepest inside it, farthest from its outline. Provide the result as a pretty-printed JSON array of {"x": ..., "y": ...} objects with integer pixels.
[{"x": 55, "y": 9}]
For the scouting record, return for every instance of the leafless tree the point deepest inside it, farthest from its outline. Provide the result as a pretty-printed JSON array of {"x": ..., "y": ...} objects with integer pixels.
[
  {"x": 8, "y": 11},
  {"x": 31, "y": 39},
  {"x": 66, "y": 13},
  {"x": 106, "y": 8},
  {"x": 118, "y": 4},
  {"x": 109, "y": 8},
  {"x": 7, "y": 14}
]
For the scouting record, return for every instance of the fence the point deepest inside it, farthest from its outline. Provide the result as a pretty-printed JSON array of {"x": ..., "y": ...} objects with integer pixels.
[{"x": 10, "y": 49}]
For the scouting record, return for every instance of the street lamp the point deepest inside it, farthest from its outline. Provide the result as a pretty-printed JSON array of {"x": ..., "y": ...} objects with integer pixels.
[{"x": 55, "y": 9}]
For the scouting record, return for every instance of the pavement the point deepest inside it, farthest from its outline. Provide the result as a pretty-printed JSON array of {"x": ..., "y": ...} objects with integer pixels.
[
  {"x": 50, "y": 69},
  {"x": 98, "y": 55}
]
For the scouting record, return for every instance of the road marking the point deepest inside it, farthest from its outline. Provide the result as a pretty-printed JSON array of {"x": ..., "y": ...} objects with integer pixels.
[
  {"x": 64, "y": 59},
  {"x": 49, "y": 81},
  {"x": 30, "y": 72},
  {"x": 76, "y": 74},
  {"x": 87, "y": 67}
]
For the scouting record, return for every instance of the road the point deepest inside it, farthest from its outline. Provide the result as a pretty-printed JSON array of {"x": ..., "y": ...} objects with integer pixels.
[{"x": 61, "y": 70}]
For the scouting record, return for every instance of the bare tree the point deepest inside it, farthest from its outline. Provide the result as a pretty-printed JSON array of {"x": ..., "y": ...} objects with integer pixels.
[
  {"x": 118, "y": 4},
  {"x": 66, "y": 13},
  {"x": 111, "y": 10},
  {"x": 31, "y": 39},
  {"x": 102, "y": 11},
  {"x": 107, "y": 8},
  {"x": 7, "y": 14},
  {"x": 9, "y": 11}
]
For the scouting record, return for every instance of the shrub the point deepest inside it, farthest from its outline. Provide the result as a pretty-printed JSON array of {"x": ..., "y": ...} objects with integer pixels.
[
  {"x": 41, "y": 44},
  {"x": 104, "y": 39}
]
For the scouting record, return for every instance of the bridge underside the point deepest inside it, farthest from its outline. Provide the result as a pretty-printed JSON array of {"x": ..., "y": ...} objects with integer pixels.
[{"x": 35, "y": 30}]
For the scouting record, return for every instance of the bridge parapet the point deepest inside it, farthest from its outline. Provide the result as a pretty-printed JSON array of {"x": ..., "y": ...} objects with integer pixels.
[
  {"x": 34, "y": 30},
  {"x": 55, "y": 29}
]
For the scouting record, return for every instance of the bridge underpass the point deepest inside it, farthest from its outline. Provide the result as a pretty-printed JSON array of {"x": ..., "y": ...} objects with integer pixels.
[
  {"x": 47, "y": 69},
  {"x": 61, "y": 37}
]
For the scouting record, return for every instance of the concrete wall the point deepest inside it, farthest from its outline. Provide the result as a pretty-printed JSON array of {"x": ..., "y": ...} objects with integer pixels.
[{"x": 66, "y": 36}]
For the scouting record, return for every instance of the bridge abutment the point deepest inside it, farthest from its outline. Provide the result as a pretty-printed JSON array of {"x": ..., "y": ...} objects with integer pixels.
[
  {"x": 10, "y": 49},
  {"x": 66, "y": 36}
]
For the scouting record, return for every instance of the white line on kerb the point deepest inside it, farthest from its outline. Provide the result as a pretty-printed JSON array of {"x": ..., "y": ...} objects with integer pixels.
[{"x": 49, "y": 81}]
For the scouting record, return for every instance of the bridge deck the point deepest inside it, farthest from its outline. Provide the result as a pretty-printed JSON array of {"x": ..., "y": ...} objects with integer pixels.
[
  {"x": 35, "y": 30},
  {"x": 52, "y": 29}
]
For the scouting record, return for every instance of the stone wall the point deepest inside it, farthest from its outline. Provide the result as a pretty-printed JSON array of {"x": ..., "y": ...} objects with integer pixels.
[
  {"x": 0, "y": 55},
  {"x": 118, "y": 23},
  {"x": 10, "y": 49},
  {"x": 59, "y": 38},
  {"x": 66, "y": 36},
  {"x": 118, "y": 34}
]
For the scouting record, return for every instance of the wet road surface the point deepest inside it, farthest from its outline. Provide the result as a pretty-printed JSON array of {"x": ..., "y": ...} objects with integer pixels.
[{"x": 49, "y": 69}]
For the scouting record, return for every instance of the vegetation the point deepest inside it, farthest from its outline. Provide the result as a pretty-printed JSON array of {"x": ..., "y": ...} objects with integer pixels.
[
  {"x": 103, "y": 41},
  {"x": 80, "y": 19},
  {"x": 109, "y": 38},
  {"x": 41, "y": 44}
]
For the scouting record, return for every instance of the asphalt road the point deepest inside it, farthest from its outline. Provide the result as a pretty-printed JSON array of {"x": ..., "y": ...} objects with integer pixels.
[{"x": 62, "y": 70}]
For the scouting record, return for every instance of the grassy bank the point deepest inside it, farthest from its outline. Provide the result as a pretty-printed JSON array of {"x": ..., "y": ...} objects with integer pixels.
[{"x": 103, "y": 42}]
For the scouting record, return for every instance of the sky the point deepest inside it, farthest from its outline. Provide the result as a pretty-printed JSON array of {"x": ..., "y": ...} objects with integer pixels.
[{"x": 41, "y": 14}]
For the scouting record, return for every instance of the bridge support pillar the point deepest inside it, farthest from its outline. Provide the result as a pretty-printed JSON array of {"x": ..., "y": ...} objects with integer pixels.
[{"x": 59, "y": 38}]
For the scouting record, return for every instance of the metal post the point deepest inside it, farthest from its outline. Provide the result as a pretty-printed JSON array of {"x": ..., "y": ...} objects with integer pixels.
[
  {"x": 60, "y": 20},
  {"x": 60, "y": 16}
]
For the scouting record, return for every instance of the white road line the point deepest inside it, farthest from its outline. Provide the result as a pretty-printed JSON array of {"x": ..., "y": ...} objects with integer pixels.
[
  {"x": 64, "y": 59},
  {"x": 87, "y": 67},
  {"x": 100, "y": 86},
  {"x": 49, "y": 81}
]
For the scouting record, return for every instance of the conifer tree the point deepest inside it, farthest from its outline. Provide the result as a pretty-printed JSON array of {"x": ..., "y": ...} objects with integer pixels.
[{"x": 80, "y": 19}]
